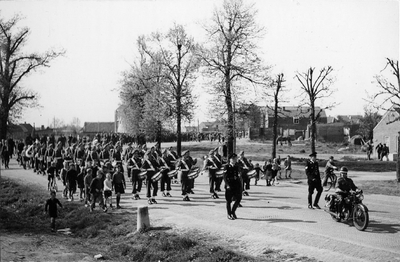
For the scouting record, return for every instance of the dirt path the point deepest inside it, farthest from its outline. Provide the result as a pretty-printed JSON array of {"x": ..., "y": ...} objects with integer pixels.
[{"x": 272, "y": 218}]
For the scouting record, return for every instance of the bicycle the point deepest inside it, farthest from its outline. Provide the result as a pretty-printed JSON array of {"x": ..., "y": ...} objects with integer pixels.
[{"x": 329, "y": 181}]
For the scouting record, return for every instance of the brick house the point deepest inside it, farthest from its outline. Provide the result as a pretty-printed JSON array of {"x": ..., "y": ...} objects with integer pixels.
[
  {"x": 294, "y": 121},
  {"x": 387, "y": 131}
]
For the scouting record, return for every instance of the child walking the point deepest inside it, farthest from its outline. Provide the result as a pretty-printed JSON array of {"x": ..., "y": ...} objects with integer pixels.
[
  {"x": 51, "y": 205},
  {"x": 108, "y": 191}
]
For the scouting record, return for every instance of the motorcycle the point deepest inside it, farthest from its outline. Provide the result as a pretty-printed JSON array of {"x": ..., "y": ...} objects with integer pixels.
[{"x": 352, "y": 209}]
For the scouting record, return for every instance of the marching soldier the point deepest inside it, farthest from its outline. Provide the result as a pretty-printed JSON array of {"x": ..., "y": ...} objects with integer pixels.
[
  {"x": 128, "y": 154},
  {"x": 58, "y": 156},
  {"x": 135, "y": 164},
  {"x": 211, "y": 165},
  {"x": 80, "y": 153},
  {"x": 104, "y": 154},
  {"x": 233, "y": 186},
  {"x": 49, "y": 155},
  {"x": 150, "y": 164},
  {"x": 185, "y": 165},
  {"x": 314, "y": 181},
  {"x": 221, "y": 163},
  {"x": 245, "y": 166},
  {"x": 165, "y": 162}
]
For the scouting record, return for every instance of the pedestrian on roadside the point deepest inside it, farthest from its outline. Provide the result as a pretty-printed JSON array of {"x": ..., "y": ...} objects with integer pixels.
[
  {"x": 379, "y": 148},
  {"x": 108, "y": 191},
  {"x": 385, "y": 152},
  {"x": 87, "y": 181},
  {"x": 258, "y": 171},
  {"x": 81, "y": 180},
  {"x": 278, "y": 163},
  {"x": 51, "y": 205},
  {"x": 71, "y": 179},
  {"x": 63, "y": 174},
  {"x": 118, "y": 183},
  {"x": 268, "y": 172},
  {"x": 96, "y": 189},
  {"x": 288, "y": 167},
  {"x": 51, "y": 176},
  {"x": 275, "y": 170},
  {"x": 369, "y": 150},
  {"x": 314, "y": 181}
]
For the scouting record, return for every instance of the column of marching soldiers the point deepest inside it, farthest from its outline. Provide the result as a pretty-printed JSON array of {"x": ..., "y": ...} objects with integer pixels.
[{"x": 97, "y": 169}]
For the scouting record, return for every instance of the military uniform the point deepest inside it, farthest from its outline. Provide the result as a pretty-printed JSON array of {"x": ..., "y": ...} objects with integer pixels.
[
  {"x": 211, "y": 164},
  {"x": 314, "y": 182},
  {"x": 233, "y": 188}
]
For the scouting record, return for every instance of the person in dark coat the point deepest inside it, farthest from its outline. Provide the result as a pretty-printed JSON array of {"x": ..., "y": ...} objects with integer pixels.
[
  {"x": 314, "y": 181},
  {"x": 233, "y": 186}
]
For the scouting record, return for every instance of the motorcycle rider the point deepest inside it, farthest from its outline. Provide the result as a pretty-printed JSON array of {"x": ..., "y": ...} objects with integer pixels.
[
  {"x": 345, "y": 185},
  {"x": 330, "y": 166}
]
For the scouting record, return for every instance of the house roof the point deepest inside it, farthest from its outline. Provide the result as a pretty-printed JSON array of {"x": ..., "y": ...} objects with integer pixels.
[
  {"x": 295, "y": 111},
  {"x": 26, "y": 128},
  {"x": 97, "y": 127},
  {"x": 396, "y": 117}
]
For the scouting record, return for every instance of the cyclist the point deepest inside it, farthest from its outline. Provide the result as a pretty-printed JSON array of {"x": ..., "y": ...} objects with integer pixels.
[{"x": 330, "y": 166}]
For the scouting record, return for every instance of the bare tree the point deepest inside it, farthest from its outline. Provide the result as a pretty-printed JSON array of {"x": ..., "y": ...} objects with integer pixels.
[
  {"x": 15, "y": 65},
  {"x": 390, "y": 91},
  {"x": 315, "y": 87},
  {"x": 176, "y": 53},
  {"x": 233, "y": 53},
  {"x": 277, "y": 84},
  {"x": 57, "y": 123}
]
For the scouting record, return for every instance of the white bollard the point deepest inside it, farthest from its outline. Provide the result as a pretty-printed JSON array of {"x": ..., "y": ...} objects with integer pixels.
[{"x": 143, "y": 220}]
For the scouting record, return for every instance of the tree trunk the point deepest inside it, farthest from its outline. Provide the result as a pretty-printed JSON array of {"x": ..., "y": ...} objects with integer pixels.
[
  {"x": 398, "y": 160},
  {"x": 230, "y": 127},
  {"x": 275, "y": 128},
  {"x": 3, "y": 122},
  {"x": 313, "y": 128},
  {"x": 178, "y": 127}
]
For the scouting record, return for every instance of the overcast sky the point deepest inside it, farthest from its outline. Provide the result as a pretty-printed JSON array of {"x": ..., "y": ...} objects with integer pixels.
[{"x": 352, "y": 36}]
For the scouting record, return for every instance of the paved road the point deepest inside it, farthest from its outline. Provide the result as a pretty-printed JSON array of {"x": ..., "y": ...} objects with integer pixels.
[{"x": 272, "y": 218}]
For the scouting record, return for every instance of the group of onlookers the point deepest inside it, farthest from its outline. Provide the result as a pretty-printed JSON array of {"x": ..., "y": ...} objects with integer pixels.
[{"x": 383, "y": 151}]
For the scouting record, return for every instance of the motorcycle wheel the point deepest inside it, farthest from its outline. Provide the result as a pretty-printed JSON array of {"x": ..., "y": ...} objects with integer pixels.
[{"x": 360, "y": 217}]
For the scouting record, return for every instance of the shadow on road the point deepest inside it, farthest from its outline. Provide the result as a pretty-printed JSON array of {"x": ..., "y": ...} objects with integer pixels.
[
  {"x": 278, "y": 220},
  {"x": 376, "y": 227}
]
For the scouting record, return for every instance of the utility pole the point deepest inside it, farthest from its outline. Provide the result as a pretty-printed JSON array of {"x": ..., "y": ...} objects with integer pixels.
[{"x": 398, "y": 159}]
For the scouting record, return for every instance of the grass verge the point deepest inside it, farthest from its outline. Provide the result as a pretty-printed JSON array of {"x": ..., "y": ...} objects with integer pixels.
[
  {"x": 386, "y": 187},
  {"x": 21, "y": 211}
]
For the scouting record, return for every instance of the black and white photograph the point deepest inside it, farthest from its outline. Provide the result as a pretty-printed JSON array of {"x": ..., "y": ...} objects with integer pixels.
[{"x": 199, "y": 130}]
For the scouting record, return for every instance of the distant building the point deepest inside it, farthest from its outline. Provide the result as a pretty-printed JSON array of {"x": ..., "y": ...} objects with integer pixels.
[
  {"x": 92, "y": 128},
  {"x": 212, "y": 127},
  {"x": 20, "y": 131},
  {"x": 387, "y": 131},
  {"x": 294, "y": 121},
  {"x": 332, "y": 132}
]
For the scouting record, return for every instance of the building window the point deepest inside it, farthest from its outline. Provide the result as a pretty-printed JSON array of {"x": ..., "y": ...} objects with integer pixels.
[{"x": 295, "y": 120}]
